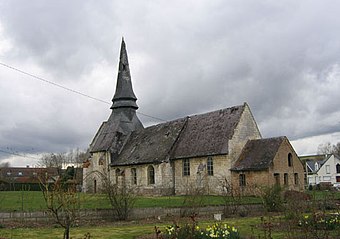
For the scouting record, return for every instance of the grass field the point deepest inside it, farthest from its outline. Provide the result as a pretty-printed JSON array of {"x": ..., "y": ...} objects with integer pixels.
[
  {"x": 33, "y": 201},
  {"x": 246, "y": 227}
]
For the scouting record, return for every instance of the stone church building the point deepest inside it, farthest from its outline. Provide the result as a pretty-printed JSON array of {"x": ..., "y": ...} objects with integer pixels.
[{"x": 213, "y": 152}]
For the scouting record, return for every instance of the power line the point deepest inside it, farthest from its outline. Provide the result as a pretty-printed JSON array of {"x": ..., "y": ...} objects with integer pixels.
[
  {"x": 17, "y": 154},
  {"x": 69, "y": 89},
  {"x": 53, "y": 83}
]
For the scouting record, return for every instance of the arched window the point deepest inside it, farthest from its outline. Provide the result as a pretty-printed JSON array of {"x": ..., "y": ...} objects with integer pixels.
[
  {"x": 290, "y": 160},
  {"x": 151, "y": 175}
]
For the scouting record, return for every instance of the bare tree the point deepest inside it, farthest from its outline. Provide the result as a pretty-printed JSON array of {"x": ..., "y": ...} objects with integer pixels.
[
  {"x": 5, "y": 165},
  {"x": 328, "y": 148},
  {"x": 336, "y": 150},
  {"x": 121, "y": 196},
  {"x": 325, "y": 148},
  {"x": 74, "y": 157},
  {"x": 62, "y": 202}
]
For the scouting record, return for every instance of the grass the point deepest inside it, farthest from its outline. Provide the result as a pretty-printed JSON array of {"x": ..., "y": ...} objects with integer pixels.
[
  {"x": 246, "y": 227},
  {"x": 34, "y": 201}
]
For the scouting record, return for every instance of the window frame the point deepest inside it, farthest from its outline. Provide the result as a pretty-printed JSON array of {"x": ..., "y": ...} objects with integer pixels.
[
  {"x": 290, "y": 160},
  {"x": 242, "y": 180},
  {"x": 296, "y": 178},
  {"x": 186, "y": 167},
  {"x": 285, "y": 179},
  {"x": 210, "y": 166},
  {"x": 134, "y": 176},
  {"x": 277, "y": 179},
  {"x": 151, "y": 175}
]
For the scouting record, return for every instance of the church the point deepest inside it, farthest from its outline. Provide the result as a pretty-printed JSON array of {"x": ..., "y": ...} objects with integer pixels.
[{"x": 212, "y": 152}]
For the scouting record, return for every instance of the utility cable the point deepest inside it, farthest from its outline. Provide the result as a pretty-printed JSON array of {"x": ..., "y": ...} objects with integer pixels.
[{"x": 69, "y": 89}]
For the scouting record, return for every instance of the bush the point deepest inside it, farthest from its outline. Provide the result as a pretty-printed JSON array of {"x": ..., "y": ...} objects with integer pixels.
[{"x": 272, "y": 198}]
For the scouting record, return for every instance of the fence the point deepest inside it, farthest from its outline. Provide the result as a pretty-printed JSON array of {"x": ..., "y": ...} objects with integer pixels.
[{"x": 135, "y": 214}]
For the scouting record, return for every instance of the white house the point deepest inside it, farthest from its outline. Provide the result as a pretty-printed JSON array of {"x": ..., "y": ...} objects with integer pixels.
[{"x": 323, "y": 168}]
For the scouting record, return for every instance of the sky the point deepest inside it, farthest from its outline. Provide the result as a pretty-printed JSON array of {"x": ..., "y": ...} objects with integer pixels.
[{"x": 186, "y": 57}]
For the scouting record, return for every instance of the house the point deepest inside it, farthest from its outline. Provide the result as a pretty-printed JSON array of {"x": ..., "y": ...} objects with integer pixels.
[
  {"x": 20, "y": 178},
  {"x": 322, "y": 169},
  {"x": 270, "y": 161},
  {"x": 198, "y": 152}
]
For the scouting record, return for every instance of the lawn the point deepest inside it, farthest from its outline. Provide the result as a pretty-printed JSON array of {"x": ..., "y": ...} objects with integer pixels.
[
  {"x": 246, "y": 227},
  {"x": 34, "y": 201}
]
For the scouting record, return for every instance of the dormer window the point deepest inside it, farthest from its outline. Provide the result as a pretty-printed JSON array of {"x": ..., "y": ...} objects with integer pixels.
[{"x": 316, "y": 166}]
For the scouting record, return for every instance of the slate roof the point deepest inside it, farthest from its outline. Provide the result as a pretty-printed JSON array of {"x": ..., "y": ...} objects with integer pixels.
[
  {"x": 208, "y": 134},
  {"x": 310, "y": 160},
  {"x": 258, "y": 154},
  {"x": 150, "y": 145},
  {"x": 193, "y": 136},
  {"x": 113, "y": 133}
]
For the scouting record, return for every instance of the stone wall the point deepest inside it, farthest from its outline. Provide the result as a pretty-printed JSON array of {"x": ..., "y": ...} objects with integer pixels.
[
  {"x": 257, "y": 180},
  {"x": 199, "y": 181},
  {"x": 136, "y": 214}
]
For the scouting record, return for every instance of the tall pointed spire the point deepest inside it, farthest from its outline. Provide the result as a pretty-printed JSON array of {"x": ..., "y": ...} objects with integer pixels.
[{"x": 124, "y": 96}]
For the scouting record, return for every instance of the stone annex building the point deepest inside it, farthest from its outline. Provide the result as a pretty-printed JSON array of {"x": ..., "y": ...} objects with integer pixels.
[{"x": 214, "y": 152}]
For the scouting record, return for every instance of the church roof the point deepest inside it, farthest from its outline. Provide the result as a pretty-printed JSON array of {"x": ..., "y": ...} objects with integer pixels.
[
  {"x": 124, "y": 96},
  {"x": 258, "y": 154},
  {"x": 150, "y": 145},
  {"x": 113, "y": 133},
  {"x": 193, "y": 136},
  {"x": 208, "y": 134}
]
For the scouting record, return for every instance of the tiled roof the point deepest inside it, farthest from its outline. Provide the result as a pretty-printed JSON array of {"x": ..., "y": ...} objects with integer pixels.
[
  {"x": 194, "y": 136},
  {"x": 258, "y": 154},
  {"x": 208, "y": 134}
]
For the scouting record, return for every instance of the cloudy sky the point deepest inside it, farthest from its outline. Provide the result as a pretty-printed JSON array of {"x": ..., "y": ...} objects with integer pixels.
[{"x": 186, "y": 57}]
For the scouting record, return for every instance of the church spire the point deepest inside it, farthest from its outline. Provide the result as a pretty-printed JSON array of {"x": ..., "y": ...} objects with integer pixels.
[{"x": 124, "y": 96}]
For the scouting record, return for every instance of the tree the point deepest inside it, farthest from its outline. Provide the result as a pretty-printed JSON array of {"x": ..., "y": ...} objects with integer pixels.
[
  {"x": 121, "y": 196},
  {"x": 325, "y": 148},
  {"x": 5, "y": 165},
  {"x": 74, "y": 157},
  {"x": 62, "y": 202},
  {"x": 328, "y": 148}
]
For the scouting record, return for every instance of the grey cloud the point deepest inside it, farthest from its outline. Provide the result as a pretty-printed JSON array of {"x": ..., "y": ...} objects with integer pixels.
[{"x": 185, "y": 58}]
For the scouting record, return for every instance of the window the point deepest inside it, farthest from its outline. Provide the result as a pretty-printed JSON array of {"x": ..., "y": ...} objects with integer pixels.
[
  {"x": 151, "y": 175},
  {"x": 338, "y": 168},
  {"x": 337, "y": 179},
  {"x": 326, "y": 178},
  {"x": 290, "y": 160},
  {"x": 316, "y": 166},
  {"x": 277, "y": 178},
  {"x": 95, "y": 186},
  {"x": 242, "y": 180},
  {"x": 210, "y": 166},
  {"x": 186, "y": 167},
  {"x": 328, "y": 169},
  {"x": 19, "y": 173},
  {"x": 285, "y": 179},
  {"x": 9, "y": 173},
  {"x": 296, "y": 178},
  {"x": 117, "y": 175},
  {"x": 134, "y": 176}
]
